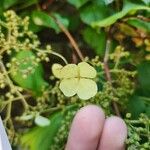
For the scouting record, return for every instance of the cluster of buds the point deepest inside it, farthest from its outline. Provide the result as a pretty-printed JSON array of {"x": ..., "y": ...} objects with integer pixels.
[
  {"x": 137, "y": 129},
  {"x": 18, "y": 36}
]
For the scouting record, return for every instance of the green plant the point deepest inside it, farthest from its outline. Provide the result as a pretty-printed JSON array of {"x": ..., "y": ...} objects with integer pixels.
[{"x": 31, "y": 82}]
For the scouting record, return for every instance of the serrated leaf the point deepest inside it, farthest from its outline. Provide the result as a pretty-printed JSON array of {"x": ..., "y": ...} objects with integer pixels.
[
  {"x": 41, "y": 121},
  {"x": 42, "y": 19},
  {"x": 128, "y": 7},
  {"x": 95, "y": 39},
  {"x": 34, "y": 81}
]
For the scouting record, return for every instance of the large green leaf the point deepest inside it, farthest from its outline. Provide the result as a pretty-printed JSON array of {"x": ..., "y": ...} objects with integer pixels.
[
  {"x": 34, "y": 80},
  {"x": 144, "y": 78},
  {"x": 77, "y": 3},
  {"x": 136, "y": 106},
  {"x": 95, "y": 39},
  {"x": 41, "y": 138},
  {"x": 128, "y": 7},
  {"x": 94, "y": 11},
  {"x": 140, "y": 24},
  {"x": 42, "y": 19}
]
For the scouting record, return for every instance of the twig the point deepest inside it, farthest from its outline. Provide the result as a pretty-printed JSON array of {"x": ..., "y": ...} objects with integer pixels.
[
  {"x": 70, "y": 37},
  {"x": 106, "y": 57},
  {"x": 53, "y": 53},
  {"x": 8, "y": 115},
  {"x": 58, "y": 55},
  {"x": 51, "y": 109},
  {"x": 107, "y": 72}
]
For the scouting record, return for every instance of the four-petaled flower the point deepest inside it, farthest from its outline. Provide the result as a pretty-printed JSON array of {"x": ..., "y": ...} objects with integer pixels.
[{"x": 76, "y": 79}]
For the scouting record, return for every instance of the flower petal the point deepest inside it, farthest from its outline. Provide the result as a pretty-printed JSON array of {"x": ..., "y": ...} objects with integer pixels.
[
  {"x": 86, "y": 70},
  {"x": 69, "y": 86},
  {"x": 56, "y": 69},
  {"x": 70, "y": 71},
  {"x": 87, "y": 88}
]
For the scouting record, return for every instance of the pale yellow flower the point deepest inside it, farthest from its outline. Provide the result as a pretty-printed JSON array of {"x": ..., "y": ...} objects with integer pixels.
[{"x": 76, "y": 79}]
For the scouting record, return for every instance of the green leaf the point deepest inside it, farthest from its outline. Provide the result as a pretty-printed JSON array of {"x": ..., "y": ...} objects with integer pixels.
[
  {"x": 32, "y": 26},
  {"x": 77, "y": 3},
  {"x": 107, "y": 2},
  {"x": 97, "y": 40},
  {"x": 43, "y": 137},
  {"x": 136, "y": 106},
  {"x": 95, "y": 11},
  {"x": 148, "y": 111},
  {"x": 27, "y": 3},
  {"x": 41, "y": 121},
  {"x": 62, "y": 19},
  {"x": 42, "y": 19},
  {"x": 128, "y": 7},
  {"x": 147, "y": 2},
  {"x": 22, "y": 4},
  {"x": 9, "y": 3},
  {"x": 127, "y": 30},
  {"x": 140, "y": 24},
  {"x": 144, "y": 78},
  {"x": 34, "y": 80}
]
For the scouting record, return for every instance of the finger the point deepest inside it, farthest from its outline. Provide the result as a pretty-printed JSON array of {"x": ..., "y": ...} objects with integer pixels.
[
  {"x": 114, "y": 134},
  {"x": 86, "y": 129}
]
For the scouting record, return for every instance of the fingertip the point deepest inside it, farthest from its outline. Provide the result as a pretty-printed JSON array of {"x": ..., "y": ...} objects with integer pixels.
[
  {"x": 86, "y": 128},
  {"x": 114, "y": 134}
]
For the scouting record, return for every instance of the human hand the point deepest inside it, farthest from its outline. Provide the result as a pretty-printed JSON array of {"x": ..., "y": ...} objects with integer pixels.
[{"x": 90, "y": 130}]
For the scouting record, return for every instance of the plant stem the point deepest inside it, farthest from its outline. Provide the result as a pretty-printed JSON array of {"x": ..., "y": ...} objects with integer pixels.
[
  {"x": 8, "y": 115},
  {"x": 56, "y": 54},
  {"x": 50, "y": 110},
  {"x": 53, "y": 53},
  {"x": 70, "y": 37},
  {"x": 107, "y": 72}
]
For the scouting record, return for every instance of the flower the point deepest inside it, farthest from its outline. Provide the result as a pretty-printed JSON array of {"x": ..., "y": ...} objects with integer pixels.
[{"x": 76, "y": 79}]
